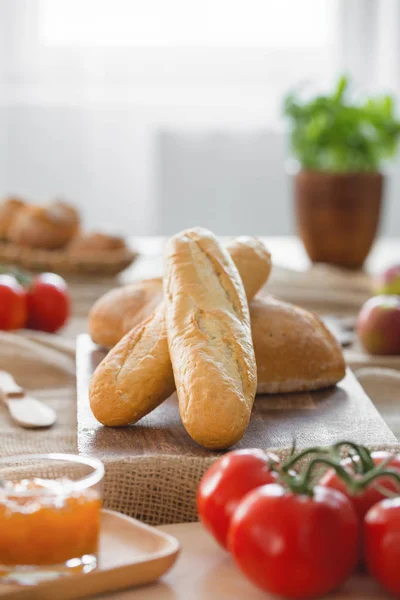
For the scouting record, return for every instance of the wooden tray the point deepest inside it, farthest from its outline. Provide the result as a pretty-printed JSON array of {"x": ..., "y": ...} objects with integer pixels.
[
  {"x": 131, "y": 554},
  {"x": 341, "y": 412}
]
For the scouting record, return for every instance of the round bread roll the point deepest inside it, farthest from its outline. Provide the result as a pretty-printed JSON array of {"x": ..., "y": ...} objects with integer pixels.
[
  {"x": 121, "y": 309},
  {"x": 47, "y": 227},
  {"x": 9, "y": 209},
  {"x": 294, "y": 350},
  {"x": 95, "y": 243}
]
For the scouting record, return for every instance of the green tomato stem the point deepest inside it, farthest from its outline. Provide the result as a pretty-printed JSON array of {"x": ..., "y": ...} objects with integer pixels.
[
  {"x": 21, "y": 276},
  {"x": 289, "y": 464},
  {"x": 377, "y": 473},
  {"x": 303, "y": 485},
  {"x": 366, "y": 461}
]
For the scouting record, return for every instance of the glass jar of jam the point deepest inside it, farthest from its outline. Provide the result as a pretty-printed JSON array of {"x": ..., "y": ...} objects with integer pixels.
[{"x": 49, "y": 516}]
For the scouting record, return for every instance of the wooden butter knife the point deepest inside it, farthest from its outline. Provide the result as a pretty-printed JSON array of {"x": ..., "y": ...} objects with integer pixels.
[{"x": 24, "y": 410}]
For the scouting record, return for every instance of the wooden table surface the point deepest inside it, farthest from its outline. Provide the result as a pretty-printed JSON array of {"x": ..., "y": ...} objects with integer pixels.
[
  {"x": 205, "y": 572},
  {"x": 287, "y": 251}
]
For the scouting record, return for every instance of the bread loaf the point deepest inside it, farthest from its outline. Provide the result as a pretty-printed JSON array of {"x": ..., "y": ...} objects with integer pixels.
[
  {"x": 294, "y": 350},
  {"x": 253, "y": 261},
  {"x": 47, "y": 227},
  {"x": 209, "y": 339},
  {"x": 135, "y": 377},
  {"x": 121, "y": 309},
  {"x": 9, "y": 211},
  {"x": 135, "y": 374}
]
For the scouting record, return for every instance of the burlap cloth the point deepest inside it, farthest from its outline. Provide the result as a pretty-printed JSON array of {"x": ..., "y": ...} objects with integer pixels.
[{"x": 163, "y": 490}]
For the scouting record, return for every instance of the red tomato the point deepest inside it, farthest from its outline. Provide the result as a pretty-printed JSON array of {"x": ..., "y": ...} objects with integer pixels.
[
  {"x": 293, "y": 545},
  {"x": 13, "y": 304},
  {"x": 225, "y": 484},
  {"x": 364, "y": 500},
  {"x": 48, "y": 303},
  {"x": 382, "y": 543}
]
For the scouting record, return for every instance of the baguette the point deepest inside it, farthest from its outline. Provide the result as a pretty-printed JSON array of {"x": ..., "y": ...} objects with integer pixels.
[
  {"x": 136, "y": 375},
  {"x": 209, "y": 339},
  {"x": 294, "y": 352},
  {"x": 121, "y": 309},
  {"x": 253, "y": 261}
]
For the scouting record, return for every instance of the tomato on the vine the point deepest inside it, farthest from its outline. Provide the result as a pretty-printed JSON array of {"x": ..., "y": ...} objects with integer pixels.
[
  {"x": 48, "y": 303},
  {"x": 364, "y": 499},
  {"x": 295, "y": 545},
  {"x": 382, "y": 543},
  {"x": 226, "y": 482},
  {"x": 13, "y": 303}
]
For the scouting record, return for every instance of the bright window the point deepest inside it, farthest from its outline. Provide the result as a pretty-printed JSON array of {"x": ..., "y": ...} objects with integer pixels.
[{"x": 214, "y": 23}]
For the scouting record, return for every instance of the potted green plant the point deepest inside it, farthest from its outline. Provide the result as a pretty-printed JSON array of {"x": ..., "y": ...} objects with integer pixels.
[{"x": 341, "y": 145}]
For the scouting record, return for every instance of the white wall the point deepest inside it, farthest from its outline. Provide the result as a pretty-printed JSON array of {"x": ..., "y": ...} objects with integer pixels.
[
  {"x": 230, "y": 181},
  {"x": 3, "y": 103},
  {"x": 90, "y": 157},
  {"x": 235, "y": 181},
  {"x": 140, "y": 177},
  {"x": 147, "y": 141}
]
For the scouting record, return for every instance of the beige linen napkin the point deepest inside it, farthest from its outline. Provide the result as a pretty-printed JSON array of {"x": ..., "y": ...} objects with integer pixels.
[{"x": 44, "y": 365}]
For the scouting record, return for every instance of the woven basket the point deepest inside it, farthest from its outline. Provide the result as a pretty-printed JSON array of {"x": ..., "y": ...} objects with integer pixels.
[{"x": 111, "y": 262}]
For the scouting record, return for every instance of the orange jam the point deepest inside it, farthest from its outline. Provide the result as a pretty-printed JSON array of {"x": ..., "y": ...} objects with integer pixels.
[{"x": 47, "y": 529}]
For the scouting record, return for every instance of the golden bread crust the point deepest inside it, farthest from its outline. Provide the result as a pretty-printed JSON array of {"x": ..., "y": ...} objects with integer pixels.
[
  {"x": 9, "y": 209},
  {"x": 48, "y": 227},
  {"x": 278, "y": 329},
  {"x": 96, "y": 242},
  {"x": 117, "y": 394},
  {"x": 209, "y": 339},
  {"x": 253, "y": 261},
  {"x": 294, "y": 349},
  {"x": 121, "y": 309},
  {"x": 106, "y": 326}
]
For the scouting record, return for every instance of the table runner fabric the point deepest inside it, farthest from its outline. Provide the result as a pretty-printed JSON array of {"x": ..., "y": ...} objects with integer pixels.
[{"x": 163, "y": 490}]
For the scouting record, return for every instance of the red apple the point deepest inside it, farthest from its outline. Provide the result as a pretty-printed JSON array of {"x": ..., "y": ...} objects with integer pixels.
[
  {"x": 378, "y": 325},
  {"x": 389, "y": 281}
]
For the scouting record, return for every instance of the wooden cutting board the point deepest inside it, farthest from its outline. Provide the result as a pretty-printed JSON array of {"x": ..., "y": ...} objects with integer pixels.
[{"x": 341, "y": 412}]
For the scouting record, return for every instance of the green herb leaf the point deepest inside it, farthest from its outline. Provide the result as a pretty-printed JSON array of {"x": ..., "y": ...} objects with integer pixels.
[{"x": 335, "y": 133}]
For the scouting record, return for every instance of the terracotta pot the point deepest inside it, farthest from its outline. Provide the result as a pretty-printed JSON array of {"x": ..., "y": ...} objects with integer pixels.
[{"x": 338, "y": 215}]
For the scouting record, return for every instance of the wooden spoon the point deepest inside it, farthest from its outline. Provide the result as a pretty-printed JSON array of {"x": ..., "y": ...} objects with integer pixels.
[{"x": 24, "y": 410}]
